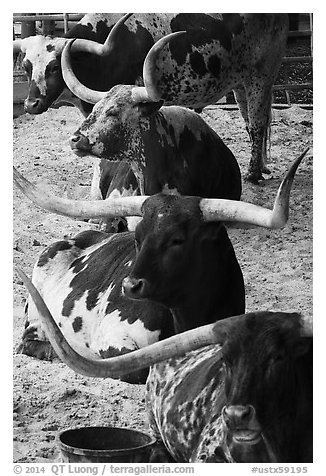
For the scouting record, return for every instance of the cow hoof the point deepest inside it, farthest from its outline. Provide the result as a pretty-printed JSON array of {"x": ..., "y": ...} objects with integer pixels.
[
  {"x": 253, "y": 177},
  {"x": 266, "y": 170},
  {"x": 41, "y": 350}
]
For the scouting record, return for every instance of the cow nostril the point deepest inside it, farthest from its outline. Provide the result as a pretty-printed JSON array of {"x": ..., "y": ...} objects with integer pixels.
[
  {"x": 134, "y": 288},
  {"x": 79, "y": 141},
  {"x": 237, "y": 413},
  {"x": 33, "y": 105}
]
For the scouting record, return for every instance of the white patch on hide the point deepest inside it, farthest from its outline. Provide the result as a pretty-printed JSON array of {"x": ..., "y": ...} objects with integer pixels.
[{"x": 36, "y": 52}]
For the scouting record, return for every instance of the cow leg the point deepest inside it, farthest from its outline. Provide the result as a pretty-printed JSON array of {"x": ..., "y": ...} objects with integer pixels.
[
  {"x": 95, "y": 193},
  {"x": 259, "y": 100},
  {"x": 123, "y": 184},
  {"x": 159, "y": 453},
  {"x": 100, "y": 183},
  {"x": 241, "y": 98},
  {"x": 34, "y": 342}
]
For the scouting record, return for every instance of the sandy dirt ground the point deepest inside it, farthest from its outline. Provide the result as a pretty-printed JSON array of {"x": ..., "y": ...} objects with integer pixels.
[{"x": 277, "y": 265}]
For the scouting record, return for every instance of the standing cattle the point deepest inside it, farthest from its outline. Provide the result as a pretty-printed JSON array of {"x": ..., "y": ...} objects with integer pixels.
[
  {"x": 131, "y": 42},
  {"x": 184, "y": 272},
  {"x": 217, "y": 53}
]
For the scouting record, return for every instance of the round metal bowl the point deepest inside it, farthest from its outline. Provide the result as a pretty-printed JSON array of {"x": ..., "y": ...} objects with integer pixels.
[{"x": 102, "y": 444}]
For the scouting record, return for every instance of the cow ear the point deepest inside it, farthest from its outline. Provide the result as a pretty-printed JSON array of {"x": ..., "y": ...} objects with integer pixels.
[{"x": 147, "y": 109}]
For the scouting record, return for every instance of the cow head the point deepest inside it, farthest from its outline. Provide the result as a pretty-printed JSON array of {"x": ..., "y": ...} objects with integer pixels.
[
  {"x": 267, "y": 365},
  {"x": 42, "y": 63},
  {"x": 112, "y": 129},
  {"x": 43, "y": 69},
  {"x": 171, "y": 238}
]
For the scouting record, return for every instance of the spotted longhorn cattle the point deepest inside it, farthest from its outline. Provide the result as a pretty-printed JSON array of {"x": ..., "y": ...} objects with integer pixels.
[
  {"x": 169, "y": 148},
  {"x": 42, "y": 65},
  {"x": 247, "y": 400},
  {"x": 180, "y": 273},
  {"x": 235, "y": 391},
  {"x": 42, "y": 56},
  {"x": 209, "y": 55}
]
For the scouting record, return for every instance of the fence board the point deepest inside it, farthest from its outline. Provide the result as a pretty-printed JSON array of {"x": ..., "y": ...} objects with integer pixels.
[
  {"x": 286, "y": 87},
  {"x": 58, "y": 17}
]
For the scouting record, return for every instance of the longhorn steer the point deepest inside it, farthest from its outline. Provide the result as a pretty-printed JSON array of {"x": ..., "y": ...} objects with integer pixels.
[
  {"x": 122, "y": 63},
  {"x": 42, "y": 55},
  {"x": 167, "y": 147},
  {"x": 184, "y": 263},
  {"x": 215, "y": 54},
  {"x": 247, "y": 399}
]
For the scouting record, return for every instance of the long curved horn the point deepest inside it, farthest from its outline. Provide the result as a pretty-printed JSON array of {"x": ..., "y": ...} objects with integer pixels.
[
  {"x": 115, "y": 367},
  {"x": 82, "y": 209},
  {"x": 99, "y": 49},
  {"x": 76, "y": 87},
  {"x": 149, "y": 66},
  {"x": 212, "y": 209},
  {"x": 229, "y": 210},
  {"x": 79, "y": 44},
  {"x": 139, "y": 93}
]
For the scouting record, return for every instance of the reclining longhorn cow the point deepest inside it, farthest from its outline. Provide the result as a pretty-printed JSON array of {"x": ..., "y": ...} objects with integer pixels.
[
  {"x": 208, "y": 56},
  {"x": 247, "y": 398},
  {"x": 184, "y": 272},
  {"x": 169, "y": 148}
]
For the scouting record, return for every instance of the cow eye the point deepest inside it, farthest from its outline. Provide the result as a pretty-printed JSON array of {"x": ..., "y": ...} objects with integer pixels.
[
  {"x": 178, "y": 241},
  {"x": 55, "y": 68},
  {"x": 278, "y": 358}
]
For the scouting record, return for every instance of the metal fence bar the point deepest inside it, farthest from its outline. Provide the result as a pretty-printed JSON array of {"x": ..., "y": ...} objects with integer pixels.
[
  {"x": 297, "y": 59},
  {"x": 299, "y": 33},
  {"x": 282, "y": 87},
  {"x": 66, "y": 17},
  {"x": 58, "y": 17}
]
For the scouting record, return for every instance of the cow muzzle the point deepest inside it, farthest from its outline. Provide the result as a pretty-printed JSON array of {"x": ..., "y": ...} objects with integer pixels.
[
  {"x": 135, "y": 288},
  {"x": 35, "y": 105},
  {"x": 242, "y": 423},
  {"x": 80, "y": 144}
]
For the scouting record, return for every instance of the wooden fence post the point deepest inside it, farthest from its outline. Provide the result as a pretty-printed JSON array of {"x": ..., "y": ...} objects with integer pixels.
[
  {"x": 48, "y": 27},
  {"x": 65, "y": 23},
  {"x": 27, "y": 27}
]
